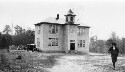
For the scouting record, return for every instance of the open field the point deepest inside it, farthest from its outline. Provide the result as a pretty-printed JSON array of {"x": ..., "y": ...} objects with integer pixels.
[
  {"x": 57, "y": 62},
  {"x": 30, "y": 62}
]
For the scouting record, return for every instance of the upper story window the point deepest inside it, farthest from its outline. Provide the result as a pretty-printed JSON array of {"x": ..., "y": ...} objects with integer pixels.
[
  {"x": 66, "y": 19},
  {"x": 38, "y": 30},
  {"x": 81, "y": 31},
  {"x": 72, "y": 19},
  {"x": 53, "y": 29}
]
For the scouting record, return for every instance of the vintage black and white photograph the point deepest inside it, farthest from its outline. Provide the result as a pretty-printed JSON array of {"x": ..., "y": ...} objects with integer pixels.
[{"x": 62, "y": 36}]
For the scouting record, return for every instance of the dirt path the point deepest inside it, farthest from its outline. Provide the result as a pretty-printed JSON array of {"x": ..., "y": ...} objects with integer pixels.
[{"x": 88, "y": 63}]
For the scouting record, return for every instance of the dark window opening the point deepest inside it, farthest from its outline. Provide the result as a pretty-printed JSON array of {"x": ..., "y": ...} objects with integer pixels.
[{"x": 72, "y": 19}]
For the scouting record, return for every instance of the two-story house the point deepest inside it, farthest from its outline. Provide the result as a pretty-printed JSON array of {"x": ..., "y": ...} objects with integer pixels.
[{"x": 57, "y": 34}]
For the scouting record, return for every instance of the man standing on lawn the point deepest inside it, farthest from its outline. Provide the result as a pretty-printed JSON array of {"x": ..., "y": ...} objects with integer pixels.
[{"x": 114, "y": 54}]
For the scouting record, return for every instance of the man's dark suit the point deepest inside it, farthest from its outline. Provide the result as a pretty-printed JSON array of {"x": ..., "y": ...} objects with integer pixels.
[{"x": 114, "y": 53}]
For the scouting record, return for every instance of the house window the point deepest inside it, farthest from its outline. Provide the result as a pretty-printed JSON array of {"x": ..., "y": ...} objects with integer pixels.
[
  {"x": 66, "y": 19},
  {"x": 72, "y": 19},
  {"x": 38, "y": 30},
  {"x": 81, "y": 43},
  {"x": 81, "y": 31},
  {"x": 53, "y": 42},
  {"x": 53, "y": 29},
  {"x": 72, "y": 40},
  {"x": 38, "y": 42}
]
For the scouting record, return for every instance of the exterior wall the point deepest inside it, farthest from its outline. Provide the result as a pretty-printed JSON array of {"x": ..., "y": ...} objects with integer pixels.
[
  {"x": 40, "y": 35},
  {"x": 36, "y": 35},
  {"x": 65, "y": 37},
  {"x": 72, "y": 35},
  {"x": 86, "y": 38},
  {"x": 47, "y": 35},
  {"x": 87, "y": 42}
]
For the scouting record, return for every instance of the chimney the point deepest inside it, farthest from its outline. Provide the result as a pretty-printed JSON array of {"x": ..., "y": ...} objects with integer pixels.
[{"x": 57, "y": 17}]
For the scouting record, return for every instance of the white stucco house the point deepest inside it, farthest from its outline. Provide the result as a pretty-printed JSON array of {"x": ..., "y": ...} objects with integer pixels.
[{"x": 57, "y": 34}]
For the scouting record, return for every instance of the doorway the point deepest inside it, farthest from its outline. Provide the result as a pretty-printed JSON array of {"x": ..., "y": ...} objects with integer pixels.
[{"x": 72, "y": 46}]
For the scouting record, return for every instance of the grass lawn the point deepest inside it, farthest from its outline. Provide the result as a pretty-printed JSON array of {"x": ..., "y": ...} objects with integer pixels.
[{"x": 30, "y": 62}]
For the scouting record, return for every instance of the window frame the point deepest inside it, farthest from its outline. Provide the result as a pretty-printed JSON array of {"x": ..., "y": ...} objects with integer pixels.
[
  {"x": 81, "y": 43},
  {"x": 38, "y": 42},
  {"x": 38, "y": 30},
  {"x": 53, "y": 42},
  {"x": 81, "y": 31},
  {"x": 66, "y": 19},
  {"x": 84, "y": 31},
  {"x": 71, "y": 19},
  {"x": 53, "y": 29}
]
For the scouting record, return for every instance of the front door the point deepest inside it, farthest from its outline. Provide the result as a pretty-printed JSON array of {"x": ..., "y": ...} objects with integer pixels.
[{"x": 72, "y": 46}]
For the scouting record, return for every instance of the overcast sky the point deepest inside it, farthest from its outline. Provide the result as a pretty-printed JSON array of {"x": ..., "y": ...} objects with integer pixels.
[{"x": 103, "y": 16}]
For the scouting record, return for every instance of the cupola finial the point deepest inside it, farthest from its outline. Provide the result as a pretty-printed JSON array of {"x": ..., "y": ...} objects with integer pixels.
[{"x": 70, "y": 17}]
